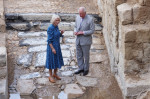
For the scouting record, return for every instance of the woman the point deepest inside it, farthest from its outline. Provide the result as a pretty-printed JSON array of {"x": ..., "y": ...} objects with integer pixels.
[{"x": 54, "y": 58}]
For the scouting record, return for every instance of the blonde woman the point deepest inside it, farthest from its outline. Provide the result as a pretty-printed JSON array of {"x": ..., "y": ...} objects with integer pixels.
[{"x": 54, "y": 59}]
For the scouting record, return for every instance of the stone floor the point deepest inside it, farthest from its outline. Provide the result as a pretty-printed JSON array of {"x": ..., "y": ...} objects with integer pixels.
[
  {"x": 47, "y": 6},
  {"x": 26, "y": 57}
]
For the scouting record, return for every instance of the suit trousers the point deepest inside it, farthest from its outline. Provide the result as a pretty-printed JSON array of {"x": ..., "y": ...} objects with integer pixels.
[{"x": 83, "y": 52}]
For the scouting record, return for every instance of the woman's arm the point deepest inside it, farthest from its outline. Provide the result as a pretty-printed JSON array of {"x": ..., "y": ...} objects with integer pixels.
[{"x": 53, "y": 49}]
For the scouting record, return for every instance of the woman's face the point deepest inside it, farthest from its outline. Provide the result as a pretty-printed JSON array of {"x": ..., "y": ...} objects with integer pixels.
[{"x": 57, "y": 21}]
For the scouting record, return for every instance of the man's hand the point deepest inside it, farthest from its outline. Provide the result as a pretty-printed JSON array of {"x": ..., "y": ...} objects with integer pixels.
[
  {"x": 75, "y": 33},
  {"x": 78, "y": 33}
]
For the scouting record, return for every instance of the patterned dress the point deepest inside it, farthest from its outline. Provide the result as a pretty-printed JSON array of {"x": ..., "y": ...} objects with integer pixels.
[{"x": 54, "y": 61}]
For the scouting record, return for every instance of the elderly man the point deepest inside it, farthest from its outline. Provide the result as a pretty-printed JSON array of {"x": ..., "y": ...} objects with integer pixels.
[{"x": 84, "y": 28}]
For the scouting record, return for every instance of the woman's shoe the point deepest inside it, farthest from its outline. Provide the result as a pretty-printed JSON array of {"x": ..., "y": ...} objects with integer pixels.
[
  {"x": 51, "y": 80},
  {"x": 57, "y": 77}
]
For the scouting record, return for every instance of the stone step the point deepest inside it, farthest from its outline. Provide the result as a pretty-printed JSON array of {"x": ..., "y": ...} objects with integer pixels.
[
  {"x": 15, "y": 96},
  {"x": 43, "y": 41},
  {"x": 26, "y": 26},
  {"x": 44, "y": 17},
  {"x": 42, "y": 48},
  {"x": 44, "y": 34}
]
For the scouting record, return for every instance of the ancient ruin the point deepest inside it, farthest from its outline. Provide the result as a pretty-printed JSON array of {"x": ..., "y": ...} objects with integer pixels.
[{"x": 119, "y": 55}]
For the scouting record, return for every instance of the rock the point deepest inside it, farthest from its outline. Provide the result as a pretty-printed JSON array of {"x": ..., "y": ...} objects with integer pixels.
[
  {"x": 32, "y": 34},
  {"x": 66, "y": 26},
  {"x": 67, "y": 73},
  {"x": 30, "y": 75},
  {"x": 65, "y": 47},
  {"x": 86, "y": 81},
  {"x": 62, "y": 95},
  {"x": 97, "y": 47},
  {"x": 3, "y": 86},
  {"x": 70, "y": 40},
  {"x": 3, "y": 39},
  {"x": 97, "y": 58},
  {"x": 3, "y": 56},
  {"x": 47, "y": 91},
  {"x": 65, "y": 80},
  {"x": 66, "y": 53},
  {"x": 125, "y": 13},
  {"x": 33, "y": 41},
  {"x": 69, "y": 34},
  {"x": 62, "y": 87},
  {"x": 42, "y": 81},
  {"x": 62, "y": 26},
  {"x": 98, "y": 27},
  {"x": 25, "y": 87},
  {"x": 96, "y": 41},
  {"x": 39, "y": 48},
  {"x": 25, "y": 60},
  {"x": 19, "y": 26},
  {"x": 15, "y": 96},
  {"x": 73, "y": 91},
  {"x": 40, "y": 59},
  {"x": 66, "y": 61},
  {"x": 3, "y": 72}
]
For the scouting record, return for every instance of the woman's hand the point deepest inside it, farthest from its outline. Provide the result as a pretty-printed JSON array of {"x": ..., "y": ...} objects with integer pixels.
[
  {"x": 54, "y": 51},
  {"x": 62, "y": 31}
]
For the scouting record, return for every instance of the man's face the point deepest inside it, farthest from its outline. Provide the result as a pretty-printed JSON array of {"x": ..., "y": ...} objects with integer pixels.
[{"x": 82, "y": 13}]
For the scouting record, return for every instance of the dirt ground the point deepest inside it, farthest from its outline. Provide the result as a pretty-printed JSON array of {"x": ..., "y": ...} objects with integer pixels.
[{"x": 48, "y": 6}]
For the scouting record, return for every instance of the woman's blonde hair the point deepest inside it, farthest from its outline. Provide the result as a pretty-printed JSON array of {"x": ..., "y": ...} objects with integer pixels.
[{"x": 54, "y": 17}]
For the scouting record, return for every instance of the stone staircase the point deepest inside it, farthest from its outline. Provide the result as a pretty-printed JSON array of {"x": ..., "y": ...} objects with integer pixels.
[{"x": 26, "y": 42}]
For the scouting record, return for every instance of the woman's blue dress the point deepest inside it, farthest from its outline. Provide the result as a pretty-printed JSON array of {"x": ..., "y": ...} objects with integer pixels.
[{"x": 54, "y": 61}]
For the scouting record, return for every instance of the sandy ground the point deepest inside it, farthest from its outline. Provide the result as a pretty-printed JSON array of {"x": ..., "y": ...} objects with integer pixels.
[{"x": 47, "y": 6}]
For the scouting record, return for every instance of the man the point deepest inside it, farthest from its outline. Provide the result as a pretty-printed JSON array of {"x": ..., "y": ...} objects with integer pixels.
[{"x": 84, "y": 28}]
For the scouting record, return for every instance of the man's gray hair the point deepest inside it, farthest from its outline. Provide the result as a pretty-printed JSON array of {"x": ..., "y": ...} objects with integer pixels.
[
  {"x": 54, "y": 17},
  {"x": 82, "y": 8}
]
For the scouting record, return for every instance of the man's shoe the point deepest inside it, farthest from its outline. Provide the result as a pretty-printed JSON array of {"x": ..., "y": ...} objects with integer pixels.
[
  {"x": 85, "y": 73},
  {"x": 79, "y": 71}
]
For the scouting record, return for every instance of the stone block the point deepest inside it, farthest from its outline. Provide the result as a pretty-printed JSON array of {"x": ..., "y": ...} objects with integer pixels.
[
  {"x": 143, "y": 35},
  {"x": 15, "y": 96},
  {"x": 3, "y": 72},
  {"x": 97, "y": 58},
  {"x": 135, "y": 87},
  {"x": 3, "y": 86},
  {"x": 30, "y": 75},
  {"x": 40, "y": 59},
  {"x": 131, "y": 66},
  {"x": 25, "y": 60},
  {"x": 33, "y": 41},
  {"x": 125, "y": 13},
  {"x": 25, "y": 87},
  {"x": 39, "y": 48},
  {"x": 73, "y": 91},
  {"x": 2, "y": 39},
  {"x": 32, "y": 34},
  {"x": 141, "y": 14},
  {"x": 70, "y": 40},
  {"x": 146, "y": 47},
  {"x": 86, "y": 81},
  {"x": 19, "y": 26},
  {"x": 2, "y": 25},
  {"x": 3, "y": 56},
  {"x": 66, "y": 53},
  {"x": 130, "y": 35}
]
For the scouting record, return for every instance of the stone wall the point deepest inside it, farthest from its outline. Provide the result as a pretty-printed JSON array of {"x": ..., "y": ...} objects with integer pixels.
[
  {"x": 3, "y": 56},
  {"x": 3, "y": 68},
  {"x": 127, "y": 37},
  {"x": 2, "y": 17}
]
